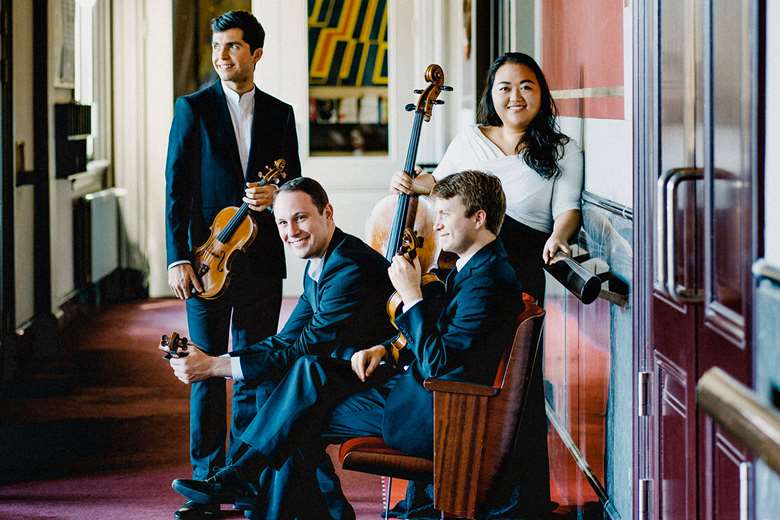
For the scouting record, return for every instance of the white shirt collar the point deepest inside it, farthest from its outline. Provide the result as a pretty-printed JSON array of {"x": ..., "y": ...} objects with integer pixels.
[
  {"x": 315, "y": 268},
  {"x": 461, "y": 262},
  {"x": 236, "y": 99}
]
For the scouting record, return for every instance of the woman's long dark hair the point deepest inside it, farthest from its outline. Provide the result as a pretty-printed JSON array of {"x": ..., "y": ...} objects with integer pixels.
[{"x": 542, "y": 142}]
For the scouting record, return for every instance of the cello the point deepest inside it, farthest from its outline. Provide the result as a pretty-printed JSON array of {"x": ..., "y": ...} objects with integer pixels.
[
  {"x": 232, "y": 230},
  {"x": 411, "y": 232}
]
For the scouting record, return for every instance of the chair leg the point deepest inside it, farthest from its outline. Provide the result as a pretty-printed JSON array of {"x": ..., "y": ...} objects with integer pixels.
[{"x": 387, "y": 498}]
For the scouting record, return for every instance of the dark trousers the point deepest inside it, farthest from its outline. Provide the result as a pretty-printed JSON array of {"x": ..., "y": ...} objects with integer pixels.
[
  {"x": 249, "y": 310},
  {"x": 320, "y": 401},
  {"x": 320, "y": 491}
]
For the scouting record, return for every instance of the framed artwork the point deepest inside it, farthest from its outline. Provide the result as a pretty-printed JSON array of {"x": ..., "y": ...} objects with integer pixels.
[{"x": 348, "y": 77}]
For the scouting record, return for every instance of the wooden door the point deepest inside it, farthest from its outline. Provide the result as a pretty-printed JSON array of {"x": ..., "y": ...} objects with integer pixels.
[{"x": 701, "y": 142}]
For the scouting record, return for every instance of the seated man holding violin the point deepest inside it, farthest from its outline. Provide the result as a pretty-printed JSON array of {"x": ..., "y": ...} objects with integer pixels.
[
  {"x": 380, "y": 392},
  {"x": 346, "y": 287}
]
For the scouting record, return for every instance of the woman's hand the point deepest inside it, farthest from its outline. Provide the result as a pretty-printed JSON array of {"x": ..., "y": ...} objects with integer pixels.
[
  {"x": 402, "y": 182},
  {"x": 566, "y": 224},
  {"x": 552, "y": 246}
]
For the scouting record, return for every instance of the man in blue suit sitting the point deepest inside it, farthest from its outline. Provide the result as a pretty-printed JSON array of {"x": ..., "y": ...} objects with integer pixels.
[
  {"x": 321, "y": 401},
  {"x": 345, "y": 289}
]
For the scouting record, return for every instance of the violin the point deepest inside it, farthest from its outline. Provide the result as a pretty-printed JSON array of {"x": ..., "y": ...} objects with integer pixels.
[
  {"x": 232, "y": 230},
  {"x": 176, "y": 344},
  {"x": 411, "y": 232}
]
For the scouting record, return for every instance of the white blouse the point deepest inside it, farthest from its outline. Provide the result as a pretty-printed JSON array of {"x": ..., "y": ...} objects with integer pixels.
[{"x": 531, "y": 199}]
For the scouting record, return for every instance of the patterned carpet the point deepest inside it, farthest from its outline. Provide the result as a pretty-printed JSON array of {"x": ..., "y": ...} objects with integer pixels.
[{"x": 100, "y": 432}]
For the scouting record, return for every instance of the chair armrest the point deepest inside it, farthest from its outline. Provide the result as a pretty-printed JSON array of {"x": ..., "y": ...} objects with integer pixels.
[{"x": 459, "y": 387}]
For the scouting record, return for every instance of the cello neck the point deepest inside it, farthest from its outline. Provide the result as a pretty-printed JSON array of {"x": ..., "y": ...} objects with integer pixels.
[{"x": 403, "y": 218}]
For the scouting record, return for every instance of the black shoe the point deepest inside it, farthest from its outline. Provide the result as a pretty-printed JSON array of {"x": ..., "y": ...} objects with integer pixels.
[
  {"x": 193, "y": 511},
  {"x": 225, "y": 487}
]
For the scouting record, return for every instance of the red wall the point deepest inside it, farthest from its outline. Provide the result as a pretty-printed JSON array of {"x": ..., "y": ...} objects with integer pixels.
[{"x": 582, "y": 47}]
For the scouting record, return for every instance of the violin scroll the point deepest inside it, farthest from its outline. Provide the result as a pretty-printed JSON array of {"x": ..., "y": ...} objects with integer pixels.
[
  {"x": 274, "y": 174},
  {"x": 177, "y": 345}
]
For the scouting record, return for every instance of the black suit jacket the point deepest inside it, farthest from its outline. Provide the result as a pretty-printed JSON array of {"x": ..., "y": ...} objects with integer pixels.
[
  {"x": 464, "y": 342},
  {"x": 342, "y": 312},
  {"x": 203, "y": 172}
]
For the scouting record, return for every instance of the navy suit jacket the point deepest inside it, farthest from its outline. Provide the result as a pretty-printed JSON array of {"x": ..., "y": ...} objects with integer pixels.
[
  {"x": 203, "y": 172},
  {"x": 342, "y": 312},
  {"x": 464, "y": 343}
]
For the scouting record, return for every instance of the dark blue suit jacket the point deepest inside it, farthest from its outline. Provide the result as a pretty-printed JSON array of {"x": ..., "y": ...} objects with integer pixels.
[
  {"x": 342, "y": 312},
  {"x": 203, "y": 172},
  {"x": 465, "y": 343}
]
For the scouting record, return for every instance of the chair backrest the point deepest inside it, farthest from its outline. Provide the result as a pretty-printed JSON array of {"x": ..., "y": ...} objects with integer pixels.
[{"x": 506, "y": 408}]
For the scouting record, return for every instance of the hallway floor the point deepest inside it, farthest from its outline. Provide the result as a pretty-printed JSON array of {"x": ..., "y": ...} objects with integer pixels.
[{"x": 100, "y": 432}]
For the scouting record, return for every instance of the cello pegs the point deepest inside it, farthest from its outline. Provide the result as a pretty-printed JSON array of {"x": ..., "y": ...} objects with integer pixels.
[
  {"x": 447, "y": 88},
  {"x": 438, "y": 102},
  {"x": 418, "y": 91},
  {"x": 410, "y": 107}
]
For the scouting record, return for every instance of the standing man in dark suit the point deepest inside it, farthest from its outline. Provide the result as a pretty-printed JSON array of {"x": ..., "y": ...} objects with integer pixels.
[
  {"x": 221, "y": 137},
  {"x": 345, "y": 290},
  {"x": 320, "y": 401}
]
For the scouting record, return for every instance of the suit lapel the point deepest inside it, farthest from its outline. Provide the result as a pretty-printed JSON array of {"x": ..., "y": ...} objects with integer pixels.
[
  {"x": 226, "y": 135},
  {"x": 261, "y": 134},
  {"x": 476, "y": 262},
  {"x": 310, "y": 288}
]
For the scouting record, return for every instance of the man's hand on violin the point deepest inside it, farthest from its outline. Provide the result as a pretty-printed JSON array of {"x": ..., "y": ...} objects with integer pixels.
[
  {"x": 364, "y": 362},
  {"x": 197, "y": 365},
  {"x": 257, "y": 197},
  {"x": 405, "y": 277},
  {"x": 183, "y": 282}
]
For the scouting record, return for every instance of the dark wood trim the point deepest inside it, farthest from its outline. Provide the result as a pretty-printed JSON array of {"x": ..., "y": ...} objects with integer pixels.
[
  {"x": 44, "y": 322},
  {"x": 7, "y": 282},
  {"x": 482, "y": 44}
]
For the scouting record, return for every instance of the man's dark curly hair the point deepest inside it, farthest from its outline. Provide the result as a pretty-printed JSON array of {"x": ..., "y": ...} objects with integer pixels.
[
  {"x": 254, "y": 35},
  {"x": 542, "y": 143}
]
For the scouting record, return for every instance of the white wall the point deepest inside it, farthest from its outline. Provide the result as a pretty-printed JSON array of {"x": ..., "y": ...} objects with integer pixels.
[
  {"x": 608, "y": 143},
  {"x": 143, "y": 109},
  {"x": 772, "y": 164}
]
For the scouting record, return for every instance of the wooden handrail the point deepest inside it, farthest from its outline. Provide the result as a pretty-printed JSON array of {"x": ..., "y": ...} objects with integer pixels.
[{"x": 736, "y": 408}]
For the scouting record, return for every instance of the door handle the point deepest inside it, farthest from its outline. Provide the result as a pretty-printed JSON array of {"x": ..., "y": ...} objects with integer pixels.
[
  {"x": 679, "y": 293},
  {"x": 660, "y": 230},
  {"x": 666, "y": 241}
]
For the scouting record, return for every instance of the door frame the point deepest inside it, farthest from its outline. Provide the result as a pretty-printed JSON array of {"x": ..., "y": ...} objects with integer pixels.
[
  {"x": 7, "y": 266},
  {"x": 643, "y": 105}
]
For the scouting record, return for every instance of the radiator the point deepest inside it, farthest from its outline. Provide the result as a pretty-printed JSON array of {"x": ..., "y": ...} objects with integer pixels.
[{"x": 96, "y": 236}]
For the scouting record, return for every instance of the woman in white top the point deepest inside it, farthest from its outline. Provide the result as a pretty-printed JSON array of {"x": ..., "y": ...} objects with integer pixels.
[{"x": 517, "y": 139}]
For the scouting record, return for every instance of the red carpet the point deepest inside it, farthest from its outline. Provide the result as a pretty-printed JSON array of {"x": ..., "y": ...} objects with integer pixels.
[{"x": 101, "y": 431}]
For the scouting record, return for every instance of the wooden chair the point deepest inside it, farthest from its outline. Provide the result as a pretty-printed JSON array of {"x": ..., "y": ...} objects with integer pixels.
[{"x": 474, "y": 429}]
